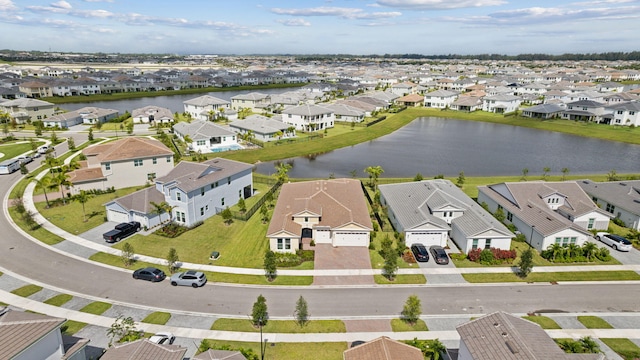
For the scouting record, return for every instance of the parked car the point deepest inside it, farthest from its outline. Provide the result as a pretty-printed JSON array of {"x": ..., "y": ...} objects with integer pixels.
[
  {"x": 439, "y": 255},
  {"x": 189, "y": 278},
  {"x": 25, "y": 159},
  {"x": 150, "y": 274},
  {"x": 121, "y": 231},
  {"x": 166, "y": 338},
  {"x": 420, "y": 252},
  {"x": 615, "y": 241},
  {"x": 43, "y": 149}
]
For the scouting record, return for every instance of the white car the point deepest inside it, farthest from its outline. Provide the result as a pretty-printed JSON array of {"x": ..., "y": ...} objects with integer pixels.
[
  {"x": 43, "y": 149},
  {"x": 615, "y": 241},
  {"x": 165, "y": 338}
]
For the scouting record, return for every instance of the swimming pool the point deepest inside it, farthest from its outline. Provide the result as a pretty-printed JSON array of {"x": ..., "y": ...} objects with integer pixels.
[{"x": 226, "y": 148}]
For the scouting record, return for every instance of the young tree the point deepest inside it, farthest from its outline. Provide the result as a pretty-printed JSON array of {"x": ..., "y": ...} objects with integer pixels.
[
  {"x": 545, "y": 172},
  {"x": 127, "y": 254},
  {"x": 612, "y": 175},
  {"x": 242, "y": 206},
  {"x": 525, "y": 172},
  {"x": 54, "y": 137},
  {"x": 61, "y": 179},
  {"x": 282, "y": 172},
  {"x": 461, "y": 179},
  {"x": 23, "y": 169},
  {"x": 264, "y": 213},
  {"x": 259, "y": 313},
  {"x": 526, "y": 263},
  {"x": 130, "y": 128},
  {"x": 374, "y": 173},
  {"x": 71, "y": 143},
  {"x": 302, "y": 312},
  {"x": 227, "y": 216},
  {"x": 390, "y": 259},
  {"x": 268, "y": 198},
  {"x": 90, "y": 134},
  {"x": 499, "y": 214},
  {"x": 412, "y": 310},
  {"x": 565, "y": 172},
  {"x": 82, "y": 198},
  {"x": 270, "y": 265},
  {"x": 418, "y": 177},
  {"x": 123, "y": 330},
  {"x": 172, "y": 260}
]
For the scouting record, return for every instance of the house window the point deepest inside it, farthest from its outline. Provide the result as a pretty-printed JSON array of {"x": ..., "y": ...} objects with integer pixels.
[
  {"x": 107, "y": 166},
  {"x": 240, "y": 193},
  {"x": 610, "y": 208},
  {"x": 487, "y": 244},
  {"x": 306, "y": 219},
  {"x": 201, "y": 142},
  {"x": 284, "y": 244},
  {"x": 168, "y": 158},
  {"x": 222, "y": 201},
  {"x": 151, "y": 176},
  {"x": 500, "y": 207},
  {"x": 202, "y": 191},
  {"x": 201, "y": 211},
  {"x": 137, "y": 162},
  {"x": 178, "y": 196},
  {"x": 509, "y": 216},
  {"x": 573, "y": 240},
  {"x": 590, "y": 225},
  {"x": 229, "y": 180},
  {"x": 155, "y": 161},
  {"x": 474, "y": 244},
  {"x": 180, "y": 216}
]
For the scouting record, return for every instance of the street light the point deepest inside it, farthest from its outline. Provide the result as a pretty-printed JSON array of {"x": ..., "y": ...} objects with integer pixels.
[{"x": 263, "y": 344}]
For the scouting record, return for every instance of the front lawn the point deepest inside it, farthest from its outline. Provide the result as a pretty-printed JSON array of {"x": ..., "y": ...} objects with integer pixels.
[
  {"x": 594, "y": 322},
  {"x": 96, "y": 308},
  {"x": 401, "y": 279},
  {"x": 14, "y": 149},
  {"x": 281, "y": 326},
  {"x": 59, "y": 300},
  {"x": 26, "y": 290},
  {"x": 554, "y": 277},
  {"x": 158, "y": 318},
  {"x": 70, "y": 327},
  {"x": 624, "y": 347},
  {"x": 546, "y": 323}
]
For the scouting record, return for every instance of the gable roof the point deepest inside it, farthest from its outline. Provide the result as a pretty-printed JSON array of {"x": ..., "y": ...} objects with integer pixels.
[
  {"x": 307, "y": 110},
  {"x": 200, "y": 129},
  {"x": 144, "y": 349},
  {"x": 338, "y": 201},
  {"x": 128, "y": 148},
  {"x": 156, "y": 111},
  {"x": 383, "y": 348},
  {"x": 189, "y": 176},
  {"x": 622, "y": 194},
  {"x": 503, "y": 336},
  {"x": 140, "y": 201},
  {"x": 544, "y": 109},
  {"x": 205, "y": 100},
  {"x": 20, "y": 330},
  {"x": 260, "y": 124},
  {"x": 219, "y": 355}
]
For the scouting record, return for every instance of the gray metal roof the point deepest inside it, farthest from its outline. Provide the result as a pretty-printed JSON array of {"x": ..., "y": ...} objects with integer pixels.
[
  {"x": 260, "y": 124},
  {"x": 200, "y": 129},
  {"x": 622, "y": 194},
  {"x": 544, "y": 109},
  {"x": 205, "y": 100},
  {"x": 307, "y": 110},
  {"x": 190, "y": 176}
]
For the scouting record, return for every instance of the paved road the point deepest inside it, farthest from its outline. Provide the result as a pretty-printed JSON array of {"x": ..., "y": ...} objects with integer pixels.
[{"x": 37, "y": 262}]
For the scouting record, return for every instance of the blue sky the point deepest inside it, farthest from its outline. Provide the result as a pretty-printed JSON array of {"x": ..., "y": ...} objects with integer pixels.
[{"x": 321, "y": 26}]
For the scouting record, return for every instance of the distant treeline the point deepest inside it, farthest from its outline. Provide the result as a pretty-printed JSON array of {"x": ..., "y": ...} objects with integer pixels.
[{"x": 607, "y": 56}]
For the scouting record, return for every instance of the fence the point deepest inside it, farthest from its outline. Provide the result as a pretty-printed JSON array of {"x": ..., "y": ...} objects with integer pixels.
[
  {"x": 370, "y": 200},
  {"x": 249, "y": 213}
]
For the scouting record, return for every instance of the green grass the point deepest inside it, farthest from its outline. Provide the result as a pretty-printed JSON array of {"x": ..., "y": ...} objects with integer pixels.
[
  {"x": 13, "y": 150},
  {"x": 59, "y": 300},
  {"x": 39, "y": 233},
  {"x": 158, "y": 318},
  {"x": 291, "y": 351},
  {"x": 624, "y": 347},
  {"x": 556, "y": 276},
  {"x": 96, "y": 308},
  {"x": 399, "y": 325},
  {"x": 71, "y": 327},
  {"x": 281, "y": 326},
  {"x": 401, "y": 279},
  {"x": 594, "y": 322},
  {"x": 545, "y": 322},
  {"x": 26, "y": 290}
]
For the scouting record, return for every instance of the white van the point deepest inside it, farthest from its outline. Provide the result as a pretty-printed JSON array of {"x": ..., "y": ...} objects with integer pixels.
[{"x": 9, "y": 166}]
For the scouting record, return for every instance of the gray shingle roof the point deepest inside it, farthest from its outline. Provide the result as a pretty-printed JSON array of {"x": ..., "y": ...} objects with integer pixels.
[
  {"x": 199, "y": 129},
  {"x": 307, "y": 110},
  {"x": 189, "y": 176},
  {"x": 622, "y": 194},
  {"x": 140, "y": 201},
  {"x": 260, "y": 124},
  {"x": 144, "y": 349},
  {"x": 19, "y": 330},
  {"x": 206, "y": 100}
]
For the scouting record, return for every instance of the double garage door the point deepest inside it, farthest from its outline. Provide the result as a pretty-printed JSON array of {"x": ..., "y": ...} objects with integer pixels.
[
  {"x": 117, "y": 216},
  {"x": 426, "y": 238},
  {"x": 353, "y": 238}
]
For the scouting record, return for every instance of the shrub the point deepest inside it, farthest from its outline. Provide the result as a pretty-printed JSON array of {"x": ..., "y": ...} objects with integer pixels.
[
  {"x": 486, "y": 256},
  {"x": 490, "y": 256},
  {"x": 618, "y": 222},
  {"x": 457, "y": 256}
]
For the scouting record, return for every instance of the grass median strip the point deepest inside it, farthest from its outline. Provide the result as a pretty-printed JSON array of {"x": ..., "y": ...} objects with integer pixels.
[
  {"x": 546, "y": 323},
  {"x": 399, "y": 325},
  {"x": 281, "y": 326},
  {"x": 554, "y": 277},
  {"x": 624, "y": 347},
  {"x": 594, "y": 322},
  {"x": 70, "y": 327},
  {"x": 59, "y": 300},
  {"x": 401, "y": 279},
  {"x": 27, "y": 290},
  {"x": 158, "y": 318},
  {"x": 96, "y": 308}
]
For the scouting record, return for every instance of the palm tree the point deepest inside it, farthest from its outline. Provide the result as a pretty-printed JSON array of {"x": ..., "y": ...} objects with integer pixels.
[
  {"x": 43, "y": 184},
  {"x": 82, "y": 198},
  {"x": 61, "y": 179},
  {"x": 589, "y": 345},
  {"x": 50, "y": 161},
  {"x": 212, "y": 115},
  {"x": 589, "y": 250},
  {"x": 565, "y": 172},
  {"x": 158, "y": 209},
  {"x": 573, "y": 250},
  {"x": 556, "y": 249},
  {"x": 435, "y": 350},
  {"x": 545, "y": 172}
]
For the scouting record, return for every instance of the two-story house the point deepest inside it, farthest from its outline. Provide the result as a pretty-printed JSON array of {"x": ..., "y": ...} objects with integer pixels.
[
  {"x": 621, "y": 199},
  {"x": 263, "y": 128},
  {"x": 309, "y": 117},
  {"x": 131, "y": 161},
  {"x": 440, "y": 99},
  {"x": 26, "y": 109},
  {"x": 254, "y": 101},
  {"x": 501, "y": 104},
  {"x": 584, "y": 110},
  {"x": 206, "y": 107}
]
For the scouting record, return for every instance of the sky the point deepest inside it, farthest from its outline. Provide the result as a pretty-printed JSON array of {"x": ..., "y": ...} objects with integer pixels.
[{"x": 359, "y": 27}]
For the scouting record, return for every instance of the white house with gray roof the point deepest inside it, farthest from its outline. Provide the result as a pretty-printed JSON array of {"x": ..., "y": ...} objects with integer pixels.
[
  {"x": 251, "y": 101},
  {"x": 196, "y": 191},
  {"x": 263, "y": 128},
  {"x": 501, "y": 104},
  {"x": 24, "y": 109},
  {"x": 347, "y": 113},
  {"x": 440, "y": 99},
  {"x": 626, "y": 114},
  {"x": 309, "y": 117},
  {"x": 546, "y": 212},
  {"x": 206, "y": 137},
  {"x": 429, "y": 212},
  {"x": 152, "y": 115},
  {"x": 205, "y": 107},
  {"x": 619, "y": 198}
]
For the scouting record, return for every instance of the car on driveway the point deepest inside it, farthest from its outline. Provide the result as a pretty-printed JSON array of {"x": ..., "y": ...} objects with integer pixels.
[
  {"x": 189, "y": 278},
  {"x": 420, "y": 252},
  {"x": 165, "y": 338},
  {"x": 439, "y": 255},
  {"x": 615, "y": 241},
  {"x": 150, "y": 274},
  {"x": 121, "y": 231}
]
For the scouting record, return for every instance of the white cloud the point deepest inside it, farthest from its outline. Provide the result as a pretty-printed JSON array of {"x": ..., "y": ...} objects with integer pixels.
[
  {"x": 341, "y": 12},
  {"x": 438, "y": 4},
  {"x": 61, "y": 4},
  {"x": 7, "y": 5},
  {"x": 294, "y": 22},
  {"x": 109, "y": 1}
]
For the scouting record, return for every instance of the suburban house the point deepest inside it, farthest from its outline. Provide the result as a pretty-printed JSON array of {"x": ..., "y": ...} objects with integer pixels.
[
  {"x": 543, "y": 111},
  {"x": 546, "y": 212},
  {"x": 619, "y": 198},
  {"x": 131, "y": 161},
  {"x": 440, "y": 99},
  {"x": 429, "y": 212},
  {"x": 206, "y": 107},
  {"x": 503, "y": 336},
  {"x": 467, "y": 103},
  {"x": 36, "y": 89},
  {"x": 263, "y": 128},
  {"x": 326, "y": 211},
  {"x": 219, "y": 355},
  {"x": 308, "y": 117},
  {"x": 152, "y": 115},
  {"x": 87, "y": 115},
  {"x": 195, "y": 191},
  {"x": 143, "y": 349},
  {"x": 410, "y": 100},
  {"x": 347, "y": 113},
  {"x": 254, "y": 101},
  {"x": 27, "y": 336},
  {"x": 402, "y": 89},
  {"x": 501, "y": 104},
  {"x": 383, "y": 348},
  {"x": 626, "y": 114},
  {"x": 206, "y": 137},
  {"x": 584, "y": 110},
  {"x": 25, "y": 109}
]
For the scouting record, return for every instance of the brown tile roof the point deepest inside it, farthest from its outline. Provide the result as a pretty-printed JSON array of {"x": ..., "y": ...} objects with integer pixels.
[
  {"x": 220, "y": 355},
  {"x": 338, "y": 201},
  {"x": 383, "y": 348},
  {"x": 190, "y": 175},
  {"x": 127, "y": 149},
  {"x": 19, "y": 330},
  {"x": 411, "y": 98},
  {"x": 144, "y": 349},
  {"x": 501, "y": 336},
  {"x": 86, "y": 175}
]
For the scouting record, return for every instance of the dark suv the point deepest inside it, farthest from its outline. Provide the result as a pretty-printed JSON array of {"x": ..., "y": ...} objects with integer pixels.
[
  {"x": 420, "y": 252},
  {"x": 439, "y": 255},
  {"x": 121, "y": 231}
]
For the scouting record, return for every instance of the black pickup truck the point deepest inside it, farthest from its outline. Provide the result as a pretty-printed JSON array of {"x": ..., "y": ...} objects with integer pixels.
[{"x": 121, "y": 231}]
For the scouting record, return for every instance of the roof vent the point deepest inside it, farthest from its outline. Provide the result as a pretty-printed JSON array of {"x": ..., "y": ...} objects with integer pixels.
[
  {"x": 512, "y": 347},
  {"x": 623, "y": 184},
  {"x": 496, "y": 324}
]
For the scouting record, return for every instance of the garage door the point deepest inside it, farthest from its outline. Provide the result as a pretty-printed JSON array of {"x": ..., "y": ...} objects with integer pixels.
[
  {"x": 117, "y": 216},
  {"x": 351, "y": 239},
  {"x": 425, "y": 238}
]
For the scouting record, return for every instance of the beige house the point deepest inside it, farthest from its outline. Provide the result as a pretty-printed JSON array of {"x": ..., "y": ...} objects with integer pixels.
[
  {"x": 36, "y": 89},
  {"x": 25, "y": 109},
  {"x": 122, "y": 163},
  {"x": 326, "y": 211}
]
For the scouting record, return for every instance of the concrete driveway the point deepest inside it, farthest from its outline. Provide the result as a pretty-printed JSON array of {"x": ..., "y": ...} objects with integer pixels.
[
  {"x": 95, "y": 234},
  {"x": 625, "y": 257},
  {"x": 442, "y": 278},
  {"x": 328, "y": 257}
]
